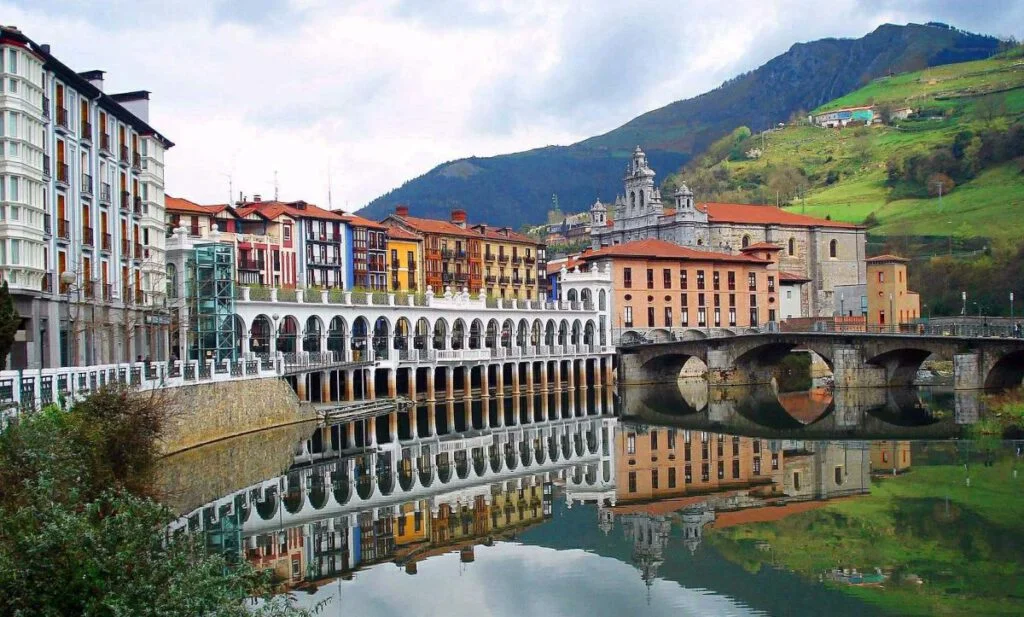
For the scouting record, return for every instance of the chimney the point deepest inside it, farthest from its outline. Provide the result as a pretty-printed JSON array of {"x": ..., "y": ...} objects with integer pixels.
[
  {"x": 459, "y": 217},
  {"x": 135, "y": 102},
  {"x": 46, "y": 48},
  {"x": 505, "y": 231},
  {"x": 402, "y": 210},
  {"x": 93, "y": 77},
  {"x": 257, "y": 198}
]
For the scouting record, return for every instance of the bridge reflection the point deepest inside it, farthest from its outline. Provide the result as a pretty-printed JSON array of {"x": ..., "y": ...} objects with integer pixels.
[{"x": 870, "y": 413}]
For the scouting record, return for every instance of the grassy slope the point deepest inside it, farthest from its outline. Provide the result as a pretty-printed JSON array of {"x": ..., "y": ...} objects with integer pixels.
[
  {"x": 970, "y": 561},
  {"x": 981, "y": 207}
]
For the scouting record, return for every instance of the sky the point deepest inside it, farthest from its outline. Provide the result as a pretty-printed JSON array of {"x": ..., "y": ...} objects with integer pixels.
[{"x": 359, "y": 96}]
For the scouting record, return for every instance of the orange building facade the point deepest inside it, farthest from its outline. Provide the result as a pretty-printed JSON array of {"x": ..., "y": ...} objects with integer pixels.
[
  {"x": 661, "y": 285},
  {"x": 890, "y": 302}
]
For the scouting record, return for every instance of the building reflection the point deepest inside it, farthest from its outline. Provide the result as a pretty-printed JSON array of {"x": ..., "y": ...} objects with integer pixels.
[{"x": 347, "y": 505}]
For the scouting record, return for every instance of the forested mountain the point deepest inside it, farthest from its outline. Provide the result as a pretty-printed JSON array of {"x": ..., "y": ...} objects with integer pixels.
[{"x": 516, "y": 189}]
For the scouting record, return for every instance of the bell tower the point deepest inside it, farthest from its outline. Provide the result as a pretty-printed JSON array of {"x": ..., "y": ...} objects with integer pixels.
[{"x": 641, "y": 195}]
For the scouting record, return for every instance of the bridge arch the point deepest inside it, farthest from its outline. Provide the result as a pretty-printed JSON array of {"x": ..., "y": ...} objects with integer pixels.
[
  {"x": 901, "y": 365},
  {"x": 1006, "y": 372}
]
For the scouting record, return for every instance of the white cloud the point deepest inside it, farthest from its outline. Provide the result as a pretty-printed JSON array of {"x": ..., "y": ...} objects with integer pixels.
[{"x": 387, "y": 89}]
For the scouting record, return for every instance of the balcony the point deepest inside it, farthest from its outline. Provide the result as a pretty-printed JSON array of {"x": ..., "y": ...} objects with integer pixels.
[
  {"x": 86, "y": 133},
  {"x": 503, "y": 259},
  {"x": 105, "y": 143},
  {"x": 138, "y": 250},
  {"x": 46, "y": 107},
  {"x": 517, "y": 261},
  {"x": 47, "y": 283},
  {"x": 137, "y": 206},
  {"x": 125, "y": 202},
  {"x": 490, "y": 279},
  {"x": 530, "y": 260},
  {"x": 63, "y": 229},
  {"x": 62, "y": 118},
  {"x": 126, "y": 248},
  {"x": 62, "y": 173},
  {"x": 87, "y": 184},
  {"x": 106, "y": 242},
  {"x": 105, "y": 193},
  {"x": 87, "y": 239},
  {"x": 108, "y": 292},
  {"x": 460, "y": 254},
  {"x": 123, "y": 159},
  {"x": 489, "y": 257},
  {"x": 136, "y": 161},
  {"x": 251, "y": 265},
  {"x": 517, "y": 281},
  {"x": 531, "y": 281},
  {"x": 47, "y": 224},
  {"x": 503, "y": 280},
  {"x": 447, "y": 254},
  {"x": 47, "y": 166}
]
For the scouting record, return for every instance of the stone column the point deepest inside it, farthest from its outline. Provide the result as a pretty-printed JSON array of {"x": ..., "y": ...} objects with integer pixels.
[
  {"x": 325, "y": 386},
  {"x": 967, "y": 372},
  {"x": 515, "y": 379},
  {"x": 370, "y": 378},
  {"x": 392, "y": 383},
  {"x": 350, "y": 430},
  {"x": 500, "y": 373},
  {"x": 431, "y": 418},
  {"x": 850, "y": 371},
  {"x": 529, "y": 379},
  {"x": 412, "y": 384},
  {"x": 393, "y": 426},
  {"x": 300, "y": 383},
  {"x": 350, "y": 386},
  {"x": 449, "y": 383},
  {"x": 450, "y": 414},
  {"x": 371, "y": 426},
  {"x": 430, "y": 385},
  {"x": 582, "y": 388},
  {"x": 572, "y": 387}
]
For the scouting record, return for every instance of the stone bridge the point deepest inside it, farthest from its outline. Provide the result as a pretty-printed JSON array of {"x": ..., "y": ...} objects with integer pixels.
[{"x": 857, "y": 359}]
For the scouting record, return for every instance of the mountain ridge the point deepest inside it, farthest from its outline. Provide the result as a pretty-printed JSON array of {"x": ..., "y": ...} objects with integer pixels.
[{"x": 517, "y": 188}]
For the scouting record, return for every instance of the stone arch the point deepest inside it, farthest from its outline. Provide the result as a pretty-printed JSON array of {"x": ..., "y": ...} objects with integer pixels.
[
  {"x": 539, "y": 450},
  {"x": 511, "y": 456},
  {"x": 522, "y": 334},
  {"x": 267, "y": 506},
  {"x": 833, "y": 248},
  {"x": 238, "y": 325},
  {"x": 476, "y": 334},
  {"x": 693, "y": 335},
  {"x": 587, "y": 298},
  {"x": 901, "y": 365},
  {"x": 588, "y": 333},
  {"x": 341, "y": 485},
  {"x": 1007, "y": 372},
  {"x": 563, "y": 332},
  {"x": 507, "y": 332},
  {"x": 259, "y": 334},
  {"x": 632, "y": 200},
  {"x": 536, "y": 332},
  {"x": 406, "y": 475},
  {"x": 403, "y": 330},
  {"x": 659, "y": 335},
  {"x": 294, "y": 497},
  {"x": 494, "y": 455},
  {"x": 549, "y": 333},
  {"x": 425, "y": 472},
  {"x": 745, "y": 241},
  {"x": 364, "y": 479},
  {"x": 553, "y": 452},
  {"x": 385, "y": 476},
  {"x": 641, "y": 199},
  {"x": 440, "y": 334},
  {"x": 492, "y": 334},
  {"x": 461, "y": 464},
  {"x": 381, "y": 337},
  {"x": 525, "y": 453},
  {"x": 360, "y": 338},
  {"x": 479, "y": 462},
  {"x": 336, "y": 335},
  {"x": 666, "y": 368},
  {"x": 459, "y": 334},
  {"x": 602, "y": 300},
  {"x": 288, "y": 334},
  {"x": 444, "y": 467},
  {"x": 421, "y": 334},
  {"x": 313, "y": 334},
  {"x": 577, "y": 332},
  {"x": 791, "y": 247},
  {"x": 571, "y": 296}
]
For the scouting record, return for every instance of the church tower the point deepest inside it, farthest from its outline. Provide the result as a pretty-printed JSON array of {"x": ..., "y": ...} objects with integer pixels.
[
  {"x": 598, "y": 214},
  {"x": 641, "y": 195}
]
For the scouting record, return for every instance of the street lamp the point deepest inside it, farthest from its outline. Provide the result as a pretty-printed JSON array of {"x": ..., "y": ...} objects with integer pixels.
[{"x": 842, "y": 307}]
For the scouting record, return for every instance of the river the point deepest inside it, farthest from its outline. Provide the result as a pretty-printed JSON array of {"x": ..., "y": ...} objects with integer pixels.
[{"x": 675, "y": 500}]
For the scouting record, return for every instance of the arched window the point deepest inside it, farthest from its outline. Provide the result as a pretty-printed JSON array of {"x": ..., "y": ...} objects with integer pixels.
[
  {"x": 641, "y": 199},
  {"x": 833, "y": 248},
  {"x": 745, "y": 241},
  {"x": 172, "y": 281},
  {"x": 632, "y": 200},
  {"x": 792, "y": 247}
]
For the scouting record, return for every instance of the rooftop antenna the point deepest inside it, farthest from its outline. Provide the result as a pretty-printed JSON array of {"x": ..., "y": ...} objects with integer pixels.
[
  {"x": 329, "y": 202},
  {"x": 275, "y": 185},
  {"x": 231, "y": 189}
]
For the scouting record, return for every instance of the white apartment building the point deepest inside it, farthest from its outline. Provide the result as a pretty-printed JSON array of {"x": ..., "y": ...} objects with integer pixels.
[{"x": 81, "y": 213}]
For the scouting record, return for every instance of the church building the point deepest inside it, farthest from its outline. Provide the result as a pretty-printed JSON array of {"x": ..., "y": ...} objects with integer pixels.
[{"x": 822, "y": 252}]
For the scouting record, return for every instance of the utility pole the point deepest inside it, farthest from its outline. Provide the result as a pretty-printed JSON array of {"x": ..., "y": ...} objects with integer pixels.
[{"x": 275, "y": 185}]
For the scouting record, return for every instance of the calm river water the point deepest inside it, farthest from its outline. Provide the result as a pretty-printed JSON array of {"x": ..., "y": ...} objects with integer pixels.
[{"x": 652, "y": 501}]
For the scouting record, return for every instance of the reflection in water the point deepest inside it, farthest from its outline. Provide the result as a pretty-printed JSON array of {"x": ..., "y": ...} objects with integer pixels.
[{"x": 674, "y": 514}]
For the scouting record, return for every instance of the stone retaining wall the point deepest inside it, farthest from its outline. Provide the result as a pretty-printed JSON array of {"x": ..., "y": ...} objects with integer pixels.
[{"x": 205, "y": 413}]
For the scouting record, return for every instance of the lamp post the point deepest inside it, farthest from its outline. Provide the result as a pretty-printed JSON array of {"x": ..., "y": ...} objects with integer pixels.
[
  {"x": 68, "y": 280},
  {"x": 273, "y": 335}
]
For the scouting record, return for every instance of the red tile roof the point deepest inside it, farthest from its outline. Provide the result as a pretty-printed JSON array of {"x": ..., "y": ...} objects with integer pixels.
[
  {"x": 357, "y": 221},
  {"x": 434, "y": 226},
  {"x": 294, "y": 209},
  {"x": 660, "y": 249},
  {"x": 180, "y": 204},
  {"x": 764, "y": 215},
  {"x": 886, "y": 259},
  {"x": 792, "y": 277},
  {"x": 396, "y": 232}
]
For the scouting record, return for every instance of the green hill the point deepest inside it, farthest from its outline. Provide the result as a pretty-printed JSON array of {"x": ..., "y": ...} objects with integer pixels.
[
  {"x": 966, "y": 134},
  {"x": 516, "y": 189}
]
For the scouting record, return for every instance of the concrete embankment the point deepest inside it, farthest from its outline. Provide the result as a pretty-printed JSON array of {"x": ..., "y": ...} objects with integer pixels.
[{"x": 205, "y": 413}]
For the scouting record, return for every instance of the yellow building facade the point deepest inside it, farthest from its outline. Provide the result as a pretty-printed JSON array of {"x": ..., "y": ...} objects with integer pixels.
[
  {"x": 405, "y": 261},
  {"x": 890, "y": 302}
]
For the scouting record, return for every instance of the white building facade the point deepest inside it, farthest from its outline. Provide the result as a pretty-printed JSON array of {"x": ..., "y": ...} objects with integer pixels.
[{"x": 81, "y": 212}]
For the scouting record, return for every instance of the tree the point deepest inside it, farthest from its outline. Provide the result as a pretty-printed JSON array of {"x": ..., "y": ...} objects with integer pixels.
[
  {"x": 940, "y": 184},
  {"x": 991, "y": 107},
  {"x": 10, "y": 321}
]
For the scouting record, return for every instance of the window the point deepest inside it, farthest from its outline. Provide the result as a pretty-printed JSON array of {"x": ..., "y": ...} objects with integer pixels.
[
  {"x": 15, "y": 252},
  {"x": 631, "y": 444},
  {"x": 881, "y": 275},
  {"x": 672, "y": 477},
  {"x": 632, "y": 482},
  {"x": 650, "y": 316},
  {"x": 627, "y": 278},
  {"x": 668, "y": 316},
  {"x": 700, "y": 279},
  {"x": 650, "y": 278},
  {"x": 702, "y": 317},
  {"x": 715, "y": 280},
  {"x": 654, "y": 440},
  {"x": 731, "y": 280},
  {"x": 745, "y": 242},
  {"x": 752, "y": 281},
  {"x": 757, "y": 465},
  {"x": 682, "y": 279},
  {"x": 735, "y": 469},
  {"x": 671, "y": 439},
  {"x": 12, "y": 62},
  {"x": 771, "y": 284},
  {"x": 287, "y": 232},
  {"x": 654, "y": 478},
  {"x": 667, "y": 278},
  {"x": 721, "y": 470},
  {"x": 628, "y": 316},
  {"x": 718, "y": 317},
  {"x": 792, "y": 247},
  {"x": 833, "y": 249}
]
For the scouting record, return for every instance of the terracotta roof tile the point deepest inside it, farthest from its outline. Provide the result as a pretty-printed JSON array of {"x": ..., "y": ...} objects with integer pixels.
[
  {"x": 886, "y": 258},
  {"x": 358, "y": 221},
  {"x": 435, "y": 226},
  {"x": 660, "y": 249},
  {"x": 294, "y": 209},
  {"x": 792, "y": 277},
  {"x": 396, "y": 232},
  {"x": 180, "y": 204}
]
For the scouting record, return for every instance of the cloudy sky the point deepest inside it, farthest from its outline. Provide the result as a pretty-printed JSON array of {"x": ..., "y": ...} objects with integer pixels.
[{"x": 380, "y": 91}]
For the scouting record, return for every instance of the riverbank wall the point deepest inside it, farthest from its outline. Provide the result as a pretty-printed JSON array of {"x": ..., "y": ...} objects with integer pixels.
[{"x": 205, "y": 413}]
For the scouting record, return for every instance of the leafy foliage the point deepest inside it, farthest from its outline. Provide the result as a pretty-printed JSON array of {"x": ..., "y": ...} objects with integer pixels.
[{"x": 10, "y": 321}]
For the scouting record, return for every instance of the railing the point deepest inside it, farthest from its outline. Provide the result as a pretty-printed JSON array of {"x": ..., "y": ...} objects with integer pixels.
[
  {"x": 47, "y": 166},
  {"x": 106, "y": 242},
  {"x": 62, "y": 173},
  {"x": 137, "y": 206},
  {"x": 63, "y": 229},
  {"x": 87, "y": 238},
  {"x": 124, "y": 154},
  {"x": 503, "y": 259},
  {"x": 138, "y": 250},
  {"x": 105, "y": 142},
  {"x": 489, "y": 256},
  {"x": 86, "y": 130},
  {"x": 47, "y": 283},
  {"x": 87, "y": 184},
  {"x": 105, "y": 192},
  {"x": 136, "y": 161},
  {"x": 125, "y": 201},
  {"x": 126, "y": 247},
  {"x": 62, "y": 117}
]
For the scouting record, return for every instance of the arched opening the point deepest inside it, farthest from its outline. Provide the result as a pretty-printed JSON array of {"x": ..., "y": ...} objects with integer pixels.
[
  {"x": 288, "y": 335},
  {"x": 549, "y": 334},
  {"x": 381, "y": 336},
  {"x": 259, "y": 335},
  {"x": 402, "y": 332},
  {"x": 475, "y": 334},
  {"x": 833, "y": 248},
  {"x": 563, "y": 332},
  {"x": 440, "y": 334},
  {"x": 459, "y": 334},
  {"x": 492, "y": 334},
  {"x": 312, "y": 335},
  {"x": 172, "y": 282},
  {"x": 535, "y": 333},
  {"x": 577, "y": 332},
  {"x": 1007, "y": 372},
  {"x": 336, "y": 336},
  {"x": 522, "y": 334},
  {"x": 360, "y": 334},
  {"x": 745, "y": 242},
  {"x": 239, "y": 329},
  {"x": 602, "y": 301},
  {"x": 791, "y": 247},
  {"x": 588, "y": 334},
  {"x": 571, "y": 295},
  {"x": 419, "y": 339},
  {"x": 587, "y": 298},
  {"x": 506, "y": 333}
]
